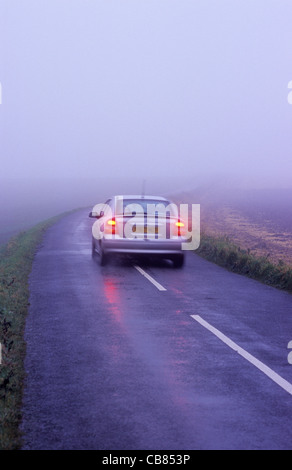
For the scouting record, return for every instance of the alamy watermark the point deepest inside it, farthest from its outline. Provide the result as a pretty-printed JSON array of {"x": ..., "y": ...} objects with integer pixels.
[
  {"x": 148, "y": 220},
  {"x": 289, "y": 97},
  {"x": 290, "y": 353}
]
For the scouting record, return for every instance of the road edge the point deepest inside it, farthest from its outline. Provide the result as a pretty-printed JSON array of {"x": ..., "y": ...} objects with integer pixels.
[{"x": 16, "y": 260}]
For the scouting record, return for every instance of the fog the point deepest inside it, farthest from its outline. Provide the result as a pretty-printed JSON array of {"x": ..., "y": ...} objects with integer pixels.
[{"x": 101, "y": 95}]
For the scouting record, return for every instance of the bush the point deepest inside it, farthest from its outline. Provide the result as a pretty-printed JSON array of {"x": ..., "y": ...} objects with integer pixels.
[{"x": 222, "y": 251}]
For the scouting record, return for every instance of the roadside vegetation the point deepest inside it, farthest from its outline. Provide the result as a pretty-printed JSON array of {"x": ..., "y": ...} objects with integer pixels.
[
  {"x": 16, "y": 259},
  {"x": 222, "y": 251}
]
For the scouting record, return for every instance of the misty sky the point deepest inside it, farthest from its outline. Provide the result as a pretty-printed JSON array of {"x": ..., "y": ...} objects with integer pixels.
[{"x": 132, "y": 88}]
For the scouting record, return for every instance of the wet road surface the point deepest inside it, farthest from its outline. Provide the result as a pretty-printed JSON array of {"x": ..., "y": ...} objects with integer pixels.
[{"x": 114, "y": 362}]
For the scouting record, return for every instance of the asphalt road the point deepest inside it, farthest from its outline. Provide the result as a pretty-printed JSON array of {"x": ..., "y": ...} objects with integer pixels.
[{"x": 114, "y": 363}]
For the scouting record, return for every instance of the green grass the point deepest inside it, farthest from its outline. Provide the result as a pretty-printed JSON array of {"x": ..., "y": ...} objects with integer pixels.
[
  {"x": 16, "y": 259},
  {"x": 222, "y": 251}
]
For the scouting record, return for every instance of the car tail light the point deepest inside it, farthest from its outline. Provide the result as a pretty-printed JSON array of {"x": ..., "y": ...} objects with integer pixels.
[
  {"x": 180, "y": 228},
  {"x": 111, "y": 222},
  {"x": 110, "y": 227}
]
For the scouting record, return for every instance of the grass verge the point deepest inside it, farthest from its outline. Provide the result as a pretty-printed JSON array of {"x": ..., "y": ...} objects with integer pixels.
[
  {"x": 16, "y": 259},
  {"x": 222, "y": 251}
]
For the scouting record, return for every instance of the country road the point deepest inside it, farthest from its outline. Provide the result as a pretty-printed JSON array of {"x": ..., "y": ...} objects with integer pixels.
[{"x": 143, "y": 356}]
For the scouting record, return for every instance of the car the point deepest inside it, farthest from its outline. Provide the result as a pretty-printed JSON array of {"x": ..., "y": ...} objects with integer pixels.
[{"x": 138, "y": 226}]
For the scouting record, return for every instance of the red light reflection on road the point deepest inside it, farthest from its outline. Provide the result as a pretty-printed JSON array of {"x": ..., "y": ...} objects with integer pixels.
[
  {"x": 112, "y": 296},
  {"x": 114, "y": 344}
]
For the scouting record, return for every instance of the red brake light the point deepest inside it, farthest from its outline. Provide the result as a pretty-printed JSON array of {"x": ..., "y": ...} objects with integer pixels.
[
  {"x": 110, "y": 227},
  {"x": 180, "y": 224}
]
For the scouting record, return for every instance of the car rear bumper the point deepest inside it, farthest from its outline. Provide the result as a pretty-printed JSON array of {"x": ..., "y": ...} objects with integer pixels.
[{"x": 146, "y": 246}]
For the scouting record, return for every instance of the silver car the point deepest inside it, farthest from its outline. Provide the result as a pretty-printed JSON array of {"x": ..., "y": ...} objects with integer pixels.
[{"x": 138, "y": 225}]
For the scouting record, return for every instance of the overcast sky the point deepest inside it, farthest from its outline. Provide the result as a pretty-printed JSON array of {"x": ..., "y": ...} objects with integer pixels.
[{"x": 134, "y": 88}]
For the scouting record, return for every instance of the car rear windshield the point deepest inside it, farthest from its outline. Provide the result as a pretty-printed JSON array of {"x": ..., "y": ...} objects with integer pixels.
[{"x": 143, "y": 205}]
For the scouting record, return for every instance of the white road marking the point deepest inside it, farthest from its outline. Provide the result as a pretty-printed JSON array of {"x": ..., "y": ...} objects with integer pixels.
[
  {"x": 150, "y": 278},
  {"x": 287, "y": 386}
]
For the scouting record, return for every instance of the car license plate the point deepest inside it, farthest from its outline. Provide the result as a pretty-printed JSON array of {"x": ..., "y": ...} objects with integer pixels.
[{"x": 146, "y": 229}]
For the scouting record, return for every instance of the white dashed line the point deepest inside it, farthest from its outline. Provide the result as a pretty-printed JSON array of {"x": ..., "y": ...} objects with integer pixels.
[
  {"x": 155, "y": 283},
  {"x": 287, "y": 386}
]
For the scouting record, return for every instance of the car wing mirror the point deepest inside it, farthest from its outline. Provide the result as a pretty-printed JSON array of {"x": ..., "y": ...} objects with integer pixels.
[{"x": 96, "y": 215}]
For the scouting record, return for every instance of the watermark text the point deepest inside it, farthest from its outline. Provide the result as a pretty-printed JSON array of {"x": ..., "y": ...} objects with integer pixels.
[
  {"x": 290, "y": 353},
  {"x": 289, "y": 97}
]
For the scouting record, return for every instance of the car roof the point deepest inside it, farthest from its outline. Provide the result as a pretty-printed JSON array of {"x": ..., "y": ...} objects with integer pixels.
[{"x": 139, "y": 196}]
